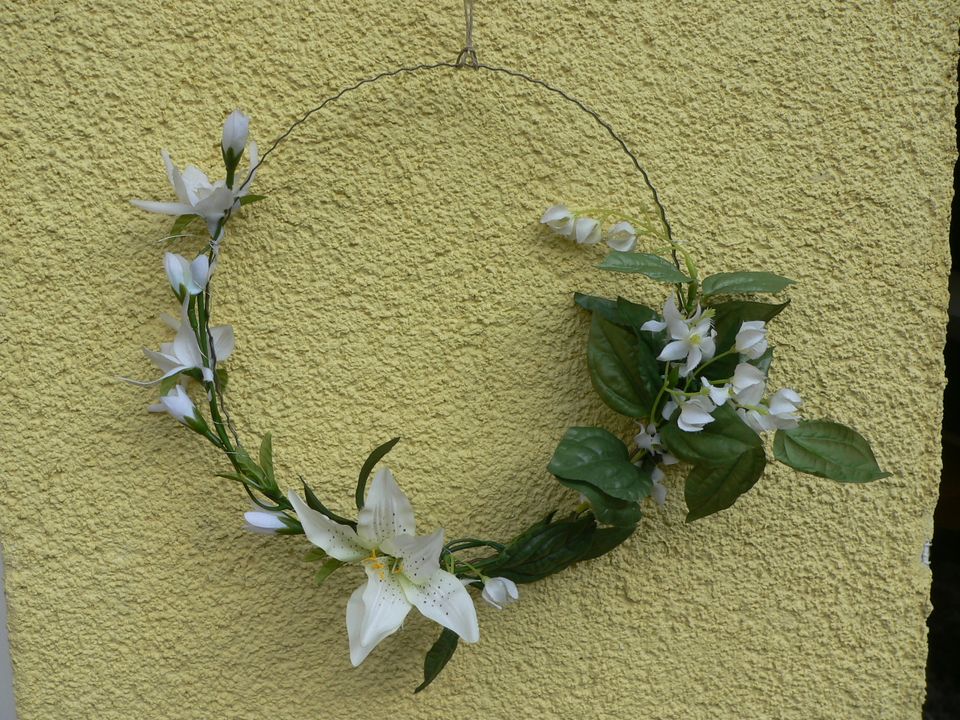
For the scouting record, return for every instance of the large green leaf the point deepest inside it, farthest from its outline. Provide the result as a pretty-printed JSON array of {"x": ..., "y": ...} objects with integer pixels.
[
  {"x": 720, "y": 442},
  {"x": 608, "y": 509},
  {"x": 438, "y": 656},
  {"x": 266, "y": 460},
  {"x": 739, "y": 283},
  {"x": 546, "y": 548},
  {"x": 376, "y": 456},
  {"x": 713, "y": 487},
  {"x": 594, "y": 456},
  {"x": 653, "y": 266},
  {"x": 829, "y": 450},
  {"x": 619, "y": 363},
  {"x": 600, "y": 306},
  {"x": 606, "y": 539},
  {"x": 314, "y": 503}
]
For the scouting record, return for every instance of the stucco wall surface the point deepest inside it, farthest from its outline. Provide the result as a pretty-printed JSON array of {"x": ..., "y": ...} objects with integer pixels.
[{"x": 396, "y": 282}]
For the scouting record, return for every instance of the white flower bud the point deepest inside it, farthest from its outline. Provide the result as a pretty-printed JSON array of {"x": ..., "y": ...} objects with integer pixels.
[
  {"x": 265, "y": 522},
  {"x": 622, "y": 237},
  {"x": 587, "y": 231},
  {"x": 179, "y": 405},
  {"x": 235, "y": 130},
  {"x": 559, "y": 219},
  {"x": 190, "y": 277},
  {"x": 751, "y": 341},
  {"x": 500, "y": 592}
]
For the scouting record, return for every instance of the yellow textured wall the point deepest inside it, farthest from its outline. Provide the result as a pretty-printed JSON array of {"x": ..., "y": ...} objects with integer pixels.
[{"x": 396, "y": 282}]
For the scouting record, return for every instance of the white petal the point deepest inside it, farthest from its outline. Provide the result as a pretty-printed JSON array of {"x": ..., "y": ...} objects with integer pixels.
[
  {"x": 622, "y": 237},
  {"x": 420, "y": 555},
  {"x": 718, "y": 394},
  {"x": 178, "y": 270},
  {"x": 235, "y": 130},
  {"x": 355, "y": 613},
  {"x": 200, "y": 271},
  {"x": 677, "y": 350},
  {"x": 223, "y": 341},
  {"x": 500, "y": 592},
  {"x": 693, "y": 359},
  {"x": 386, "y": 512},
  {"x": 263, "y": 520},
  {"x": 165, "y": 362},
  {"x": 653, "y": 326},
  {"x": 556, "y": 217},
  {"x": 173, "y": 175},
  {"x": 445, "y": 600},
  {"x": 164, "y": 208},
  {"x": 708, "y": 347},
  {"x": 336, "y": 540},
  {"x": 668, "y": 409},
  {"x": 384, "y": 603}
]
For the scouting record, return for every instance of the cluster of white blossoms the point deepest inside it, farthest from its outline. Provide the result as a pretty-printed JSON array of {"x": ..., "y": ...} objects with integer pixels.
[
  {"x": 620, "y": 236},
  {"x": 693, "y": 342}
]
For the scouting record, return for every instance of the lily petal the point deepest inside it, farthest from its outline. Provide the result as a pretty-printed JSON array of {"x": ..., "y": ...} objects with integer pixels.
[
  {"x": 386, "y": 513},
  {"x": 164, "y": 208},
  {"x": 223, "y": 341},
  {"x": 420, "y": 555},
  {"x": 336, "y": 540},
  {"x": 384, "y": 603},
  {"x": 445, "y": 600}
]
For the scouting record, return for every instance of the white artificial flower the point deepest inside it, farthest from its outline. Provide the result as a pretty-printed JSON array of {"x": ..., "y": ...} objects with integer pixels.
[
  {"x": 403, "y": 570},
  {"x": 757, "y": 419},
  {"x": 659, "y": 491},
  {"x": 262, "y": 521},
  {"x": 179, "y": 405},
  {"x": 185, "y": 275},
  {"x": 500, "y": 592},
  {"x": 783, "y": 407},
  {"x": 668, "y": 408},
  {"x": 749, "y": 383},
  {"x": 751, "y": 341},
  {"x": 622, "y": 237},
  {"x": 587, "y": 231},
  {"x": 559, "y": 219},
  {"x": 196, "y": 195},
  {"x": 648, "y": 438},
  {"x": 693, "y": 338},
  {"x": 184, "y": 352},
  {"x": 695, "y": 413},
  {"x": 235, "y": 130},
  {"x": 719, "y": 394}
]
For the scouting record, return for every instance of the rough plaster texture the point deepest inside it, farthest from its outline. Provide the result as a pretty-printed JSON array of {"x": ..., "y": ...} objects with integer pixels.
[{"x": 396, "y": 283}]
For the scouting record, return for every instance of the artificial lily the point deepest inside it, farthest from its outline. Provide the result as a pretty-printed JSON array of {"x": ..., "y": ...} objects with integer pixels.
[
  {"x": 693, "y": 338},
  {"x": 235, "y": 130},
  {"x": 622, "y": 237},
  {"x": 751, "y": 341},
  {"x": 196, "y": 195},
  {"x": 188, "y": 278},
  {"x": 184, "y": 352},
  {"x": 559, "y": 219},
  {"x": 262, "y": 521},
  {"x": 181, "y": 408},
  {"x": 403, "y": 570}
]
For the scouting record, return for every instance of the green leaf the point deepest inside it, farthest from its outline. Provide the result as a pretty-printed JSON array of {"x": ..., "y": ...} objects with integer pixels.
[
  {"x": 251, "y": 198},
  {"x": 713, "y": 487},
  {"x": 182, "y": 223},
  {"x": 266, "y": 459},
  {"x": 546, "y": 548},
  {"x": 314, "y": 554},
  {"x": 619, "y": 365},
  {"x": 720, "y": 442},
  {"x": 606, "y": 539},
  {"x": 376, "y": 456},
  {"x": 594, "y": 456},
  {"x": 314, "y": 503},
  {"x": 438, "y": 656},
  {"x": 247, "y": 466},
  {"x": 168, "y": 383},
  {"x": 608, "y": 509},
  {"x": 327, "y": 569},
  {"x": 607, "y": 309},
  {"x": 653, "y": 266},
  {"x": 739, "y": 283},
  {"x": 829, "y": 450},
  {"x": 634, "y": 314}
]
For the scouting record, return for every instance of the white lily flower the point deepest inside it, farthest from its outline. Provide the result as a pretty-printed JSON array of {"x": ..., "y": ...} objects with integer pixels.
[
  {"x": 500, "y": 592},
  {"x": 695, "y": 413},
  {"x": 196, "y": 195},
  {"x": 403, "y": 570},
  {"x": 185, "y": 276},
  {"x": 184, "y": 352},
  {"x": 235, "y": 130},
  {"x": 559, "y": 219},
  {"x": 622, "y": 237},
  {"x": 749, "y": 384},
  {"x": 587, "y": 231},
  {"x": 719, "y": 394},
  {"x": 179, "y": 405},
  {"x": 265, "y": 522},
  {"x": 783, "y": 406},
  {"x": 751, "y": 341},
  {"x": 693, "y": 338}
]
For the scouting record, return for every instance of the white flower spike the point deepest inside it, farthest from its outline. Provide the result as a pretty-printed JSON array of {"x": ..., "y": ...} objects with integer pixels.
[
  {"x": 751, "y": 341},
  {"x": 403, "y": 570},
  {"x": 559, "y": 219},
  {"x": 622, "y": 237},
  {"x": 187, "y": 277},
  {"x": 500, "y": 592}
]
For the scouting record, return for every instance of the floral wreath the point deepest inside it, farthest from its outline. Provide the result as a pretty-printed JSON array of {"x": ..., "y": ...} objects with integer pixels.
[{"x": 693, "y": 377}]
